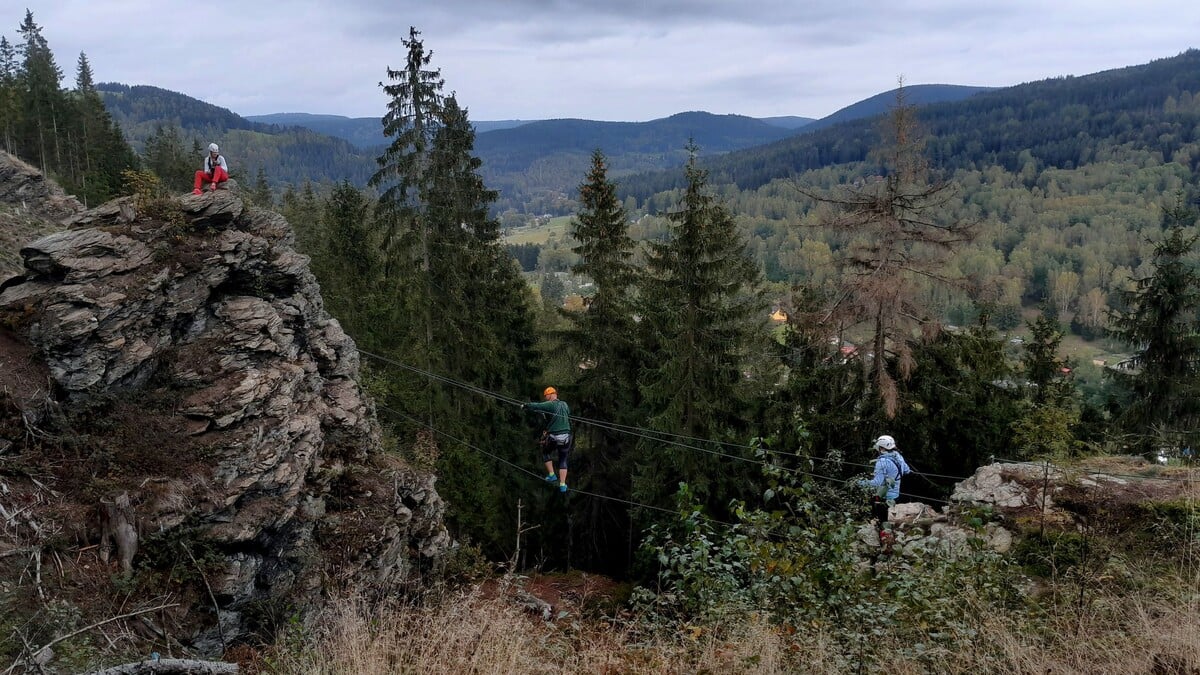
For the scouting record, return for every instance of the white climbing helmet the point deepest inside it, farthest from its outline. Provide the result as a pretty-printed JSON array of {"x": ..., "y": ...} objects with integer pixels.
[
  {"x": 885, "y": 443},
  {"x": 212, "y": 147}
]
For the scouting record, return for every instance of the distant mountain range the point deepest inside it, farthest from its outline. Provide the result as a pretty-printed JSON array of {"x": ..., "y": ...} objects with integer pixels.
[
  {"x": 788, "y": 121},
  {"x": 1059, "y": 122},
  {"x": 536, "y": 164},
  {"x": 546, "y": 160},
  {"x": 287, "y": 154},
  {"x": 365, "y": 132}
]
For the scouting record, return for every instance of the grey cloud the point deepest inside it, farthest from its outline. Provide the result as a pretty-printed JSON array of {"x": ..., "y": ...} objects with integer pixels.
[{"x": 620, "y": 59}]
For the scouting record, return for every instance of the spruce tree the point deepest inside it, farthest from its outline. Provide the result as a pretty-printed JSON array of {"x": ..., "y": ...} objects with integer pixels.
[
  {"x": 484, "y": 333},
  {"x": 411, "y": 121},
  {"x": 413, "y": 117},
  {"x": 1163, "y": 327},
  {"x": 346, "y": 261},
  {"x": 84, "y": 82},
  {"x": 97, "y": 148},
  {"x": 702, "y": 315},
  {"x": 1043, "y": 367},
  {"x": 456, "y": 304},
  {"x": 10, "y": 101},
  {"x": 167, "y": 157},
  {"x": 1049, "y": 415},
  {"x": 43, "y": 104},
  {"x": 260, "y": 191},
  {"x": 822, "y": 376},
  {"x": 69, "y": 135},
  {"x": 600, "y": 347}
]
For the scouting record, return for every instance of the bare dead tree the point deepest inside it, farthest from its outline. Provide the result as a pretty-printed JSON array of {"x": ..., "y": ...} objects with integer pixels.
[{"x": 895, "y": 242}]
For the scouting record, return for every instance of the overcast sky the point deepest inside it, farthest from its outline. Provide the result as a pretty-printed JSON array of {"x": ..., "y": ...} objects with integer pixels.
[{"x": 602, "y": 59}]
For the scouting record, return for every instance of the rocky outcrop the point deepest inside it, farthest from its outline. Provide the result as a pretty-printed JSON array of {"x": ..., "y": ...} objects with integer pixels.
[
  {"x": 225, "y": 399},
  {"x": 1009, "y": 486},
  {"x": 23, "y": 185},
  {"x": 30, "y": 207},
  {"x": 992, "y": 507}
]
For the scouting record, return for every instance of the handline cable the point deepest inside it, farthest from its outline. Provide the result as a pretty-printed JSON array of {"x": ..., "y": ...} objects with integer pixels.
[
  {"x": 630, "y": 430},
  {"x": 762, "y": 463},
  {"x": 767, "y": 533},
  {"x": 527, "y": 471},
  {"x": 611, "y": 426},
  {"x": 643, "y": 433},
  {"x": 633, "y": 429}
]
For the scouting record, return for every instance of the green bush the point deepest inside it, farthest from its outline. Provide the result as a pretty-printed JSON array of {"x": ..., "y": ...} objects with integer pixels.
[{"x": 800, "y": 562}]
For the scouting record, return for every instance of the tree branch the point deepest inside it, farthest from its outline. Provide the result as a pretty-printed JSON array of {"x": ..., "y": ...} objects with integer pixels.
[{"x": 85, "y": 629}]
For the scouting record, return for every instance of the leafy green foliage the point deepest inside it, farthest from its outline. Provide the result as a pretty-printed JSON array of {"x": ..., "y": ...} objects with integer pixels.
[
  {"x": 798, "y": 557},
  {"x": 151, "y": 199}
]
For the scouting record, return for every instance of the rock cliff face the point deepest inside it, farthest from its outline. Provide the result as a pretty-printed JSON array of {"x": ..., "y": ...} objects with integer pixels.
[{"x": 173, "y": 385}]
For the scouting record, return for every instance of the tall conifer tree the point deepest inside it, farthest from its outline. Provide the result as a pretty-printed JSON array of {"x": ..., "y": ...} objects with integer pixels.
[
  {"x": 1163, "y": 325},
  {"x": 43, "y": 102},
  {"x": 411, "y": 121},
  {"x": 601, "y": 348},
  {"x": 459, "y": 307},
  {"x": 702, "y": 315},
  {"x": 10, "y": 101},
  {"x": 97, "y": 148}
]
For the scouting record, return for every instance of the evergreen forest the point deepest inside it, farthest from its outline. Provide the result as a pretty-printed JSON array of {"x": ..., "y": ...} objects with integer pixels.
[{"x": 734, "y": 333}]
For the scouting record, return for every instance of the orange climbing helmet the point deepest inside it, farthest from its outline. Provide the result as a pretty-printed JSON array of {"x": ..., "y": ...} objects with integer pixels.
[{"x": 549, "y": 390}]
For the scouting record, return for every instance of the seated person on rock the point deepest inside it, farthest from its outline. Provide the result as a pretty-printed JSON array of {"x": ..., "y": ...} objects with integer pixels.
[{"x": 215, "y": 170}]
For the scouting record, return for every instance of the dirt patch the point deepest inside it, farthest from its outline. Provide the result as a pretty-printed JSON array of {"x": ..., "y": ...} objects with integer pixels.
[
  {"x": 23, "y": 375},
  {"x": 576, "y": 593}
]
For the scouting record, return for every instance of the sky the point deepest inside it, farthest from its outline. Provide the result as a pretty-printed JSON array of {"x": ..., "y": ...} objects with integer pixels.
[{"x": 601, "y": 59}]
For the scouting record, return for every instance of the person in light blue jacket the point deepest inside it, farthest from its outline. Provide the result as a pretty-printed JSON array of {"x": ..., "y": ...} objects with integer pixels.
[{"x": 890, "y": 467}]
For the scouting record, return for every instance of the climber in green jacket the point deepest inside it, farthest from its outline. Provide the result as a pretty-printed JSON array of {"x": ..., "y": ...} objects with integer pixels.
[{"x": 557, "y": 439}]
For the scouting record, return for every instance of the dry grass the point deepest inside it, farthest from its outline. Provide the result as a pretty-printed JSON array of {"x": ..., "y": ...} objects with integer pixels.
[{"x": 471, "y": 633}]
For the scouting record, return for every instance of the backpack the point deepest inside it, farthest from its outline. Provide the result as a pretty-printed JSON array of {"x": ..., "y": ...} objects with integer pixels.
[{"x": 889, "y": 483}]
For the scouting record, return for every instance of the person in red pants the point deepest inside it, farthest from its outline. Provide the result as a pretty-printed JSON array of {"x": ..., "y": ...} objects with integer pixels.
[{"x": 215, "y": 169}]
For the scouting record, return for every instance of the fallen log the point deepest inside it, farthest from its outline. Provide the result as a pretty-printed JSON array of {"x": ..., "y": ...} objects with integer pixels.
[{"x": 171, "y": 667}]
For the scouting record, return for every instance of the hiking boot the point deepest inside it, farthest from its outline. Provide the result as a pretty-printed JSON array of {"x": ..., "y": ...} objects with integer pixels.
[
  {"x": 196, "y": 191},
  {"x": 551, "y": 478}
]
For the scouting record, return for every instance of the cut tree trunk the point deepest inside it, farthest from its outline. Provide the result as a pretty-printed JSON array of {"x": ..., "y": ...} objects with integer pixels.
[{"x": 172, "y": 667}]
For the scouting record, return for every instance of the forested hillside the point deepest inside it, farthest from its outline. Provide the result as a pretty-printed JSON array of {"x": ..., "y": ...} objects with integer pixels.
[
  {"x": 1065, "y": 179},
  {"x": 537, "y": 165},
  {"x": 917, "y": 94},
  {"x": 1057, "y": 123},
  {"x": 286, "y": 155},
  {"x": 364, "y": 132}
]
